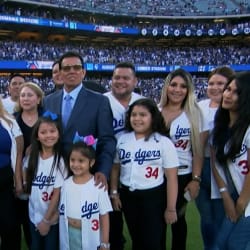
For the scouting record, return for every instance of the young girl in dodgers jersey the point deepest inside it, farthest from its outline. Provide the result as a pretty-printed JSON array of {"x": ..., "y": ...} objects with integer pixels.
[
  {"x": 184, "y": 120},
  {"x": 144, "y": 155},
  {"x": 84, "y": 207},
  {"x": 44, "y": 173},
  {"x": 231, "y": 158}
]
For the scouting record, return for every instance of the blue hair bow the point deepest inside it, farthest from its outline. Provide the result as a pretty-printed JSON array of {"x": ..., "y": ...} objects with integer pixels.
[
  {"x": 89, "y": 140},
  {"x": 50, "y": 115}
]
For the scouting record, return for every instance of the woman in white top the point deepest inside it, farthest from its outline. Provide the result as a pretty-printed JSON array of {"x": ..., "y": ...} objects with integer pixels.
[
  {"x": 211, "y": 208},
  {"x": 230, "y": 159},
  {"x": 183, "y": 119}
]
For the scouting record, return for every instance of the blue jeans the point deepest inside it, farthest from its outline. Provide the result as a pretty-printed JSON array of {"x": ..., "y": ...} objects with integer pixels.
[
  {"x": 48, "y": 242},
  {"x": 211, "y": 210},
  {"x": 234, "y": 236}
]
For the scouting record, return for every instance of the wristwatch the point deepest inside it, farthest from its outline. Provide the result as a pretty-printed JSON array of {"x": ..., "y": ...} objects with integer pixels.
[
  {"x": 196, "y": 178},
  {"x": 105, "y": 245}
]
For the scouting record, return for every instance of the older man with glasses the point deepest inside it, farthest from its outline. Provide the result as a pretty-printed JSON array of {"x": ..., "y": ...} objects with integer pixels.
[{"x": 85, "y": 112}]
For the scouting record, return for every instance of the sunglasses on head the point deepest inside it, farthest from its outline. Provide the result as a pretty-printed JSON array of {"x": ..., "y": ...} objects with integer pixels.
[{"x": 76, "y": 67}]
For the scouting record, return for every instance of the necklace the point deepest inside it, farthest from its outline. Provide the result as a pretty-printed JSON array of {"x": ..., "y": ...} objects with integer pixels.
[{"x": 30, "y": 119}]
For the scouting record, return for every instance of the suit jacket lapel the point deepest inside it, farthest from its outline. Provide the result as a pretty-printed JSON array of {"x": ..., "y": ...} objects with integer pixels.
[{"x": 57, "y": 100}]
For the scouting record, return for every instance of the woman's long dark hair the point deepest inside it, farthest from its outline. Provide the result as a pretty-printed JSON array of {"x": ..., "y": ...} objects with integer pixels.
[
  {"x": 158, "y": 124},
  {"x": 36, "y": 149},
  {"x": 232, "y": 136}
]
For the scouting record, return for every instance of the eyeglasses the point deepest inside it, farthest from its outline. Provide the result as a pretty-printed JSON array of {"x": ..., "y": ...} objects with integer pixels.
[{"x": 76, "y": 67}]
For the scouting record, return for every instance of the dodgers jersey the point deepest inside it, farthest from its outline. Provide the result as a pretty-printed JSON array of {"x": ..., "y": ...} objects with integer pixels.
[
  {"x": 119, "y": 111},
  {"x": 142, "y": 163},
  {"x": 42, "y": 187},
  {"x": 86, "y": 202},
  {"x": 238, "y": 167},
  {"x": 180, "y": 134},
  {"x": 209, "y": 113}
]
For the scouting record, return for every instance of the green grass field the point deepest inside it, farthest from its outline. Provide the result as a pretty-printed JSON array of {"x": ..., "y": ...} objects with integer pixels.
[{"x": 194, "y": 241}]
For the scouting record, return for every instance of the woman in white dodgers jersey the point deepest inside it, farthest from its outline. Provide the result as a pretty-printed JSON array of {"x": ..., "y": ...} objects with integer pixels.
[
  {"x": 231, "y": 157},
  {"x": 185, "y": 123},
  {"x": 211, "y": 207},
  {"x": 144, "y": 155}
]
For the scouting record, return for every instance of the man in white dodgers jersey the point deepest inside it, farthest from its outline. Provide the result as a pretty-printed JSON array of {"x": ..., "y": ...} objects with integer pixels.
[{"x": 122, "y": 95}]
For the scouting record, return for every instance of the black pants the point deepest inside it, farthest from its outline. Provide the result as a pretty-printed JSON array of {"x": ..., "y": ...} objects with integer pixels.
[
  {"x": 144, "y": 214},
  {"x": 8, "y": 217},
  {"x": 22, "y": 208},
  {"x": 116, "y": 237},
  {"x": 179, "y": 229}
]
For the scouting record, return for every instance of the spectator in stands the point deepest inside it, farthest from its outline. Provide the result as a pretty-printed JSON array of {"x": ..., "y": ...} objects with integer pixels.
[
  {"x": 85, "y": 112},
  {"x": 29, "y": 108},
  {"x": 184, "y": 120},
  {"x": 121, "y": 8},
  {"x": 10, "y": 102},
  {"x": 11, "y": 148},
  {"x": 120, "y": 97},
  {"x": 138, "y": 90},
  {"x": 211, "y": 206},
  {"x": 145, "y": 55}
]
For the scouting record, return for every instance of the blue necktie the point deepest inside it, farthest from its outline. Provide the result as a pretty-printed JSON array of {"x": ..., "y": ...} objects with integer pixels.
[{"x": 66, "y": 110}]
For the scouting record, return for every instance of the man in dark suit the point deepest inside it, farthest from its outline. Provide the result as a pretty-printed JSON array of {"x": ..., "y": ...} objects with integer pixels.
[{"x": 90, "y": 115}]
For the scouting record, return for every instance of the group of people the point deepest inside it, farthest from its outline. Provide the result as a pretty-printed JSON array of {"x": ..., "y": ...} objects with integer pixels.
[
  {"x": 80, "y": 162},
  {"x": 44, "y": 158},
  {"x": 149, "y": 86}
]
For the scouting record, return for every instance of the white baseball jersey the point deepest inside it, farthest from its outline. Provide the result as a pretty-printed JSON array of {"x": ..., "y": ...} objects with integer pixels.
[
  {"x": 142, "y": 162},
  {"x": 9, "y": 105},
  {"x": 209, "y": 113},
  {"x": 119, "y": 111},
  {"x": 42, "y": 187},
  {"x": 238, "y": 167},
  {"x": 90, "y": 201},
  {"x": 180, "y": 134}
]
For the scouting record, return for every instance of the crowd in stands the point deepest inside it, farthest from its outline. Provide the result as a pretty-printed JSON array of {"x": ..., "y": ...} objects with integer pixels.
[
  {"x": 149, "y": 87},
  {"x": 156, "y": 7},
  {"x": 160, "y": 24},
  {"x": 110, "y": 54}
]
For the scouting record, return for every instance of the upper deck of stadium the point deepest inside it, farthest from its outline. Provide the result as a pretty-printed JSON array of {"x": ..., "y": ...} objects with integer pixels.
[{"x": 156, "y": 8}]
